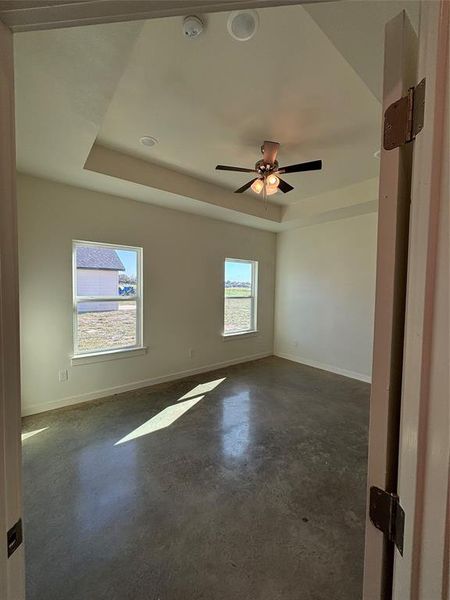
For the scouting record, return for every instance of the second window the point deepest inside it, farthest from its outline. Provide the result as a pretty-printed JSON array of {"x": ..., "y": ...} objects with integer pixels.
[{"x": 240, "y": 296}]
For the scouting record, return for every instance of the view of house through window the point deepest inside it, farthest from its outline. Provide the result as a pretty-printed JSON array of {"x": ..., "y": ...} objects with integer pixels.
[
  {"x": 107, "y": 297},
  {"x": 240, "y": 296}
]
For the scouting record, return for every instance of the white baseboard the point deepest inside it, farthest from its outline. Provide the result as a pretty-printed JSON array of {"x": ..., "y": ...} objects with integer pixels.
[
  {"x": 34, "y": 409},
  {"x": 325, "y": 367}
]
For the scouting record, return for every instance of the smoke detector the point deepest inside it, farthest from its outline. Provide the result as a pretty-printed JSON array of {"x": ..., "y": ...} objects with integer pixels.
[
  {"x": 192, "y": 27},
  {"x": 243, "y": 24}
]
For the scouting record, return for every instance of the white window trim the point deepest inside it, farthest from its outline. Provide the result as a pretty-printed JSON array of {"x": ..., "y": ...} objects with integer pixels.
[
  {"x": 96, "y": 357},
  {"x": 227, "y": 337},
  {"x": 254, "y": 296},
  {"x": 109, "y": 354}
]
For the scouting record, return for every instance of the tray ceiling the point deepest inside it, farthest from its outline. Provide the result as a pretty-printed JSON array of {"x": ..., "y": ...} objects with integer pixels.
[{"x": 91, "y": 91}]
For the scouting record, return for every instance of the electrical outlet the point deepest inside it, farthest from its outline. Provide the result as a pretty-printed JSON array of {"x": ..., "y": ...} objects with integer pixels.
[
  {"x": 63, "y": 375},
  {"x": 295, "y": 344},
  {"x": 191, "y": 352}
]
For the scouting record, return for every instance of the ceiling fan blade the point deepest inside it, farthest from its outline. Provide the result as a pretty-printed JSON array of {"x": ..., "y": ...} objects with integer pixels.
[
  {"x": 270, "y": 151},
  {"x": 239, "y": 169},
  {"x": 284, "y": 186},
  {"x": 245, "y": 187},
  {"x": 312, "y": 165}
]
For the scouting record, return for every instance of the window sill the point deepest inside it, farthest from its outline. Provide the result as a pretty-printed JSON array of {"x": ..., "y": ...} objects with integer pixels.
[
  {"x": 239, "y": 335},
  {"x": 96, "y": 357}
]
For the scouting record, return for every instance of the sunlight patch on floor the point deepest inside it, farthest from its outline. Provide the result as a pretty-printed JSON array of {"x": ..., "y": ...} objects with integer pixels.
[
  {"x": 202, "y": 388},
  {"x": 162, "y": 420},
  {"x": 29, "y": 434},
  {"x": 170, "y": 414}
]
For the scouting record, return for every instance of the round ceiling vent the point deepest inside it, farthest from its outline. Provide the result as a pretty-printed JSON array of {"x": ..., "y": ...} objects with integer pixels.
[{"x": 243, "y": 24}]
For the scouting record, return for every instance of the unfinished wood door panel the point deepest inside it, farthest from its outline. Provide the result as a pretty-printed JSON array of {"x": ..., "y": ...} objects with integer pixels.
[
  {"x": 11, "y": 569},
  {"x": 392, "y": 247},
  {"x": 423, "y": 571}
]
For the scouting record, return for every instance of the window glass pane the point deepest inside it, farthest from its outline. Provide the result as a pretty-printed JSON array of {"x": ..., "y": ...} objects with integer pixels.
[
  {"x": 237, "y": 290},
  {"x": 105, "y": 271},
  {"x": 238, "y": 278},
  {"x": 106, "y": 325},
  {"x": 239, "y": 296},
  {"x": 128, "y": 278},
  {"x": 238, "y": 314}
]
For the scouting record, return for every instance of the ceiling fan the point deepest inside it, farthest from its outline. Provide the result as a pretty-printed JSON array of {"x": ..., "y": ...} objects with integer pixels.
[{"x": 268, "y": 181}]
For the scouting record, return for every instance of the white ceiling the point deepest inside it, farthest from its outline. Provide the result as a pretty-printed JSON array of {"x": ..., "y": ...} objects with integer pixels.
[
  {"x": 211, "y": 100},
  {"x": 214, "y": 100},
  {"x": 363, "y": 48}
]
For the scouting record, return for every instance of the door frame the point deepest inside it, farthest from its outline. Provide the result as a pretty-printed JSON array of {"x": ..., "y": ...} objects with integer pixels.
[
  {"x": 11, "y": 569},
  {"x": 42, "y": 14},
  {"x": 400, "y": 66}
]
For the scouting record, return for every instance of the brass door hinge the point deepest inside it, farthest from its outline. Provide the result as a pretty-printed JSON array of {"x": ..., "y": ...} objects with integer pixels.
[{"x": 403, "y": 119}]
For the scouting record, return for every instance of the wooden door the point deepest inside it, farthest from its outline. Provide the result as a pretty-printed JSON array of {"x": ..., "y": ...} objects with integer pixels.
[
  {"x": 423, "y": 573},
  {"x": 392, "y": 250}
]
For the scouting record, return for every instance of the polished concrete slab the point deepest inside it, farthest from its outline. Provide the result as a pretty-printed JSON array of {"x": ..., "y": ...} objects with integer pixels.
[{"x": 251, "y": 488}]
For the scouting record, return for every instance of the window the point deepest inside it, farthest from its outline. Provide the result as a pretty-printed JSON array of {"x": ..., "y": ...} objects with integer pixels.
[
  {"x": 107, "y": 288},
  {"x": 240, "y": 296}
]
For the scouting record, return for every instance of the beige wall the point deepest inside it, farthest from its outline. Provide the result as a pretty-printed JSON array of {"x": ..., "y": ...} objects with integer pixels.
[
  {"x": 183, "y": 290},
  {"x": 325, "y": 288},
  {"x": 325, "y": 291}
]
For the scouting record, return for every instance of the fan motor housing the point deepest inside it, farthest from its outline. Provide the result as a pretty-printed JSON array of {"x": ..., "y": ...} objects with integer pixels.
[{"x": 264, "y": 168}]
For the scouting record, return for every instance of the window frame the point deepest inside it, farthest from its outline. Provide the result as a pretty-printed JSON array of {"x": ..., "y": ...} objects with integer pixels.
[
  {"x": 137, "y": 297},
  {"x": 253, "y": 295}
]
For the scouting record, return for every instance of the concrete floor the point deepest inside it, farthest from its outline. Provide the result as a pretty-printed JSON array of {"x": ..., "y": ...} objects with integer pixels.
[{"x": 257, "y": 492}]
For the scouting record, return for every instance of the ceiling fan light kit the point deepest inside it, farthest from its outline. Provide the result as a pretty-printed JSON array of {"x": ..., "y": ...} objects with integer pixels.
[
  {"x": 268, "y": 171},
  {"x": 257, "y": 186},
  {"x": 271, "y": 183}
]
